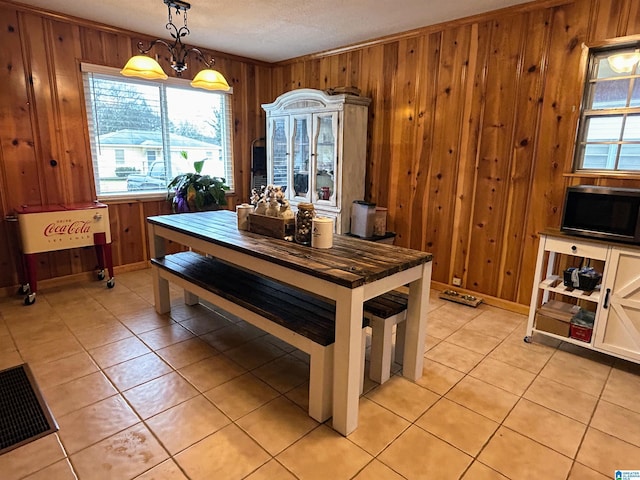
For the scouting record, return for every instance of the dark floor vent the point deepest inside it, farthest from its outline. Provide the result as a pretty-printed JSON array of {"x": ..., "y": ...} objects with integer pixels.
[{"x": 24, "y": 415}]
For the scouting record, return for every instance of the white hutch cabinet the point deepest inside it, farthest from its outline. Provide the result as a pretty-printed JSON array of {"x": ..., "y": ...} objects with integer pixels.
[
  {"x": 316, "y": 147},
  {"x": 616, "y": 302}
]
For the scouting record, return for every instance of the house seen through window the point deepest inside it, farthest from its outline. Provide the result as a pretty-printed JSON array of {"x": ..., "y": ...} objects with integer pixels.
[
  {"x": 139, "y": 128},
  {"x": 609, "y": 134}
]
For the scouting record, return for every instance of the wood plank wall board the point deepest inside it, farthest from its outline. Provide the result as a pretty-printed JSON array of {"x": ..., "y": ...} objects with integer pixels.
[{"x": 443, "y": 106}]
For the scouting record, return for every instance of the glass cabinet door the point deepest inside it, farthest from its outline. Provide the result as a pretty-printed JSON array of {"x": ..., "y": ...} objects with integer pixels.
[
  {"x": 279, "y": 133},
  {"x": 325, "y": 138},
  {"x": 301, "y": 138}
]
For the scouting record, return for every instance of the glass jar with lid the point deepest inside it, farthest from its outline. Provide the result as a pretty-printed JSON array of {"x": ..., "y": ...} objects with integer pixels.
[{"x": 304, "y": 223}]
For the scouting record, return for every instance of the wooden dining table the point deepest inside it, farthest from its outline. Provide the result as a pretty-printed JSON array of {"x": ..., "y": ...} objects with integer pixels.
[{"x": 350, "y": 272}]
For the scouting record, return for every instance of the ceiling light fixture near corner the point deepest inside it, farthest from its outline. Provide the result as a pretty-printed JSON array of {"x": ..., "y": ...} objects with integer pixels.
[
  {"x": 142, "y": 66},
  {"x": 624, "y": 62}
]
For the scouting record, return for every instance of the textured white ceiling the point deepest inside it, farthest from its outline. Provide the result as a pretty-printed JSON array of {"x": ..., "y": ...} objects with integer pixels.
[{"x": 274, "y": 30}]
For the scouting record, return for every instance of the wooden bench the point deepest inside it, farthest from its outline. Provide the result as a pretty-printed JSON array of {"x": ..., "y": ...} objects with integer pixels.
[
  {"x": 296, "y": 317},
  {"x": 383, "y": 312}
]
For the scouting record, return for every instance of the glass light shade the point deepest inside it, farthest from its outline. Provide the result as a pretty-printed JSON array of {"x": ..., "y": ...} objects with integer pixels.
[
  {"x": 143, "y": 67},
  {"x": 210, "y": 80},
  {"x": 623, "y": 62}
]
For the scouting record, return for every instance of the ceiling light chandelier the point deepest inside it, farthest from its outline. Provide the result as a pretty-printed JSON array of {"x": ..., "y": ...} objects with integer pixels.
[{"x": 146, "y": 67}]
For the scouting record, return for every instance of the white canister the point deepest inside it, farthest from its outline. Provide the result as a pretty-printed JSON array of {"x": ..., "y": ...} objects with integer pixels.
[
  {"x": 322, "y": 232},
  {"x": 243, "y": 212}
]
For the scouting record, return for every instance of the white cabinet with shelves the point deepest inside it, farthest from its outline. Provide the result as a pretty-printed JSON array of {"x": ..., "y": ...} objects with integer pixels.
[
  {"x": 615, "y": 302},
  {"x": 316, "y": 147},
  {"x": 618, "y": 332}
]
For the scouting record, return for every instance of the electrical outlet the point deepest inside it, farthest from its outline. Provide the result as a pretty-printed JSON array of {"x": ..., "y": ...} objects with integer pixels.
[{"x": 456, "y": 281}]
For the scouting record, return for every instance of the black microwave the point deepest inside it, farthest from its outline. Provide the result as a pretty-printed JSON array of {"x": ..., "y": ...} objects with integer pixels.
[{"x": 603, "y": 212}]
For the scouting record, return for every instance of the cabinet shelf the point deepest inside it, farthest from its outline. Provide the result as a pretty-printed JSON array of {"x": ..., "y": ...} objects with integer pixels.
[{"x": 555, "y": 284}]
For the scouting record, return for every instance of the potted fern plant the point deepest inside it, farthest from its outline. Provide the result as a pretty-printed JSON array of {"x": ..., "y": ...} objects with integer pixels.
[{"x": 193, "y": 192}]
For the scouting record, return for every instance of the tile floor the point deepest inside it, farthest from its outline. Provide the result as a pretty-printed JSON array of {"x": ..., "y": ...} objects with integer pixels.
[{"x": 200, "y": 396}]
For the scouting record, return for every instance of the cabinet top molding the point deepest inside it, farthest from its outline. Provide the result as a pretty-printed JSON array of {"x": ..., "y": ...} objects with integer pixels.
[{"x": 305, "y": 98}]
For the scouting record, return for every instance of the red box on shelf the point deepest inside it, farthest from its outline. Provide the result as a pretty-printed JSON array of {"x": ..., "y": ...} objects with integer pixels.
[{"x": 580, "y": 333}]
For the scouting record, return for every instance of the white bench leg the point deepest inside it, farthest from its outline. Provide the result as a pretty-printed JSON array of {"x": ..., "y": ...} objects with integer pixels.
[
  {"x": 401, "y": 328},
  {"x": 382, "y": 343},
  {"x": 321, "y": 383},
  {"x": 190, "y": 298}
]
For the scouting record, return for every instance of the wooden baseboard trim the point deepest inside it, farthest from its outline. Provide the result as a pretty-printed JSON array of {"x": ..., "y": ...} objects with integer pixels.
[
  {"x": 493, "y": 301},
  {"x": 75, "y": 278}
]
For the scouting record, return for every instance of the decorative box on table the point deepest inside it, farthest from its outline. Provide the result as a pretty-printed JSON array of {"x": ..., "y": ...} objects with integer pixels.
[
  {"x": 49, "y": 228},
  {"x": 271, "y": 226}
]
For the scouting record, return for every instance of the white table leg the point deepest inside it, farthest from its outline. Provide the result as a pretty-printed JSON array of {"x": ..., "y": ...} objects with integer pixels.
[
  {"x": 161, "y": 296},
  {"x": 347, "y": 359},
  {"x": 416, "y": 324}
]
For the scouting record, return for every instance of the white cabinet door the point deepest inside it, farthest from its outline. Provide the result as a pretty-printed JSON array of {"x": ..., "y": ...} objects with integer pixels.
[
  {"x": 618, "y": 328},
  {"x": 279, "y": 151},
  {"x": 325, "y": 158}
]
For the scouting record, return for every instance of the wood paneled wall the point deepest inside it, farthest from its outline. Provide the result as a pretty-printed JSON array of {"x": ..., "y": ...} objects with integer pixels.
[
  {"x": 471, "y": 130},
  {"x": 42, "y": 120}
]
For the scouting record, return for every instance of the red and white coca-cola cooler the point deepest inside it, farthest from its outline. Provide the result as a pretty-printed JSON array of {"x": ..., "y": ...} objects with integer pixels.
[{"x": 48, "y": 228}]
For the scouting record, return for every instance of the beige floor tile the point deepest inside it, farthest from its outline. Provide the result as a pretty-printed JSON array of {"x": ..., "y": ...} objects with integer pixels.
[
  {"x": 73, "y": 395},
  {"x": 576, "y": 372},
  {"x": 122, "y": 456},
  {"x": 10, "y": 359},
  {"x": 324, "y": 454},
  {"x": 442, "y": 327},
  {"x": 229, "y": 337},
  {"x": 580, "y": 472},
  {"x": 187, "y": 423},
  {"x": 57, "y": 372},
  {"x": 211, "y": 372},
  {"x": 458, "y": 426},
  {"x": 455, "y": 357},
  {"x": 284, "y": 373},
  {"x": 403, "y": 397},
  {"x": 137, "y": 371},
  {"x": 167, "y": 470},
  {"x": 143, "y": 318},
  {"x": 623, "y": 388},
  {"x": 430, "y": 342},
  {"x": 204, "y": 323},
  {"x": 474, "y": 340},
  {"x": 419, "y": 455},
  {"x": 241, "y": 395},
  {"x": 159, "y": 394},
  {"x": 277, "y": 425},
  {"x": 518, "y": 457},
  {"x": 118, "y": 352},
  {"x": 547, "y": 427},
  {"x": 300, "y": 394},
  {"x": 270, "y": 471},
  {"x": 480, "y": 397},
  {"x": 97, "y": 317},
  {"x": 618, "y": 422},
  {"x": 377, "y": 427},
  {"x": 606, "y": 454},
  {"x": 495, "y": 323},
  {"x": 438, "y": 377},
  {"x": 229, "y": 453},
  {"x": 254, "y": 354},
  {"x": 562, "y": 399},
  {"x": 500, "y": 374},
  {"x": 102, "y": 335},
  {"x": 377, "y": 470},
  {"x": 56, "y": 349},
  {"x": 61, "y": 470},
  {"x": 479, "y": 471},
  {"x": 522, "y": 355},
  {"x": 185, "y": 353},
  {"x": 31, "y": 458},
  {"x": 165, "y": 336},
  {"x": 95, "y": 422}
]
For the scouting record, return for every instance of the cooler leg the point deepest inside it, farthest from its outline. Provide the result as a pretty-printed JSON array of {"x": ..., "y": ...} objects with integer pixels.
[
  {"x": 105, "y": 258},
  {"x": 31, "y": 267}
]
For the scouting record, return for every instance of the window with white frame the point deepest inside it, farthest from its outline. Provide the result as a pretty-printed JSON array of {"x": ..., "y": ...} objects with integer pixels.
[
  {"x": 609, "y": 133},
  {"x": 140, "y": 127}
]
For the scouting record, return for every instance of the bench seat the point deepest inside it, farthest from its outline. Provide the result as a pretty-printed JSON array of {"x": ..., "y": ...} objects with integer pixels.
[{"x": 305, "y": 321}]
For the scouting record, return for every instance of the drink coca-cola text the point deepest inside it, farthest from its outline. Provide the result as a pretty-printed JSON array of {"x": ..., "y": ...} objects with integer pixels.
[{"x": 72, "y": 228}]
